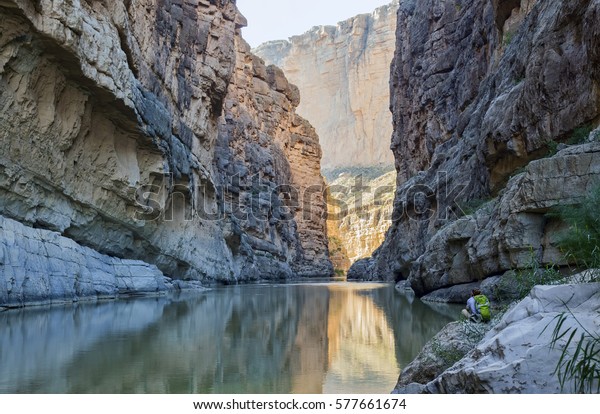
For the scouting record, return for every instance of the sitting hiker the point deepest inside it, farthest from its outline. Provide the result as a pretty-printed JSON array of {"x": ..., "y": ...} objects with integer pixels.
[{"x": 478, "y": 307}]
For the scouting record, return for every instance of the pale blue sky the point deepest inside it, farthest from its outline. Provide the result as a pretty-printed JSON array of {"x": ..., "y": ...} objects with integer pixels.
[{"x": 280, "y": 19}]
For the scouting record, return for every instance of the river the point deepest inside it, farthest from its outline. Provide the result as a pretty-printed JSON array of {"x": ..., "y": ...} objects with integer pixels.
[{"x": 267, "y": 338}]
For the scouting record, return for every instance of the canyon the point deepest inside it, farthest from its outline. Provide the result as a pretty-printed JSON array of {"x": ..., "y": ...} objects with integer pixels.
[
  {"x": 146, "y": 131},
  {"x": 145, "y": 149},
  {"x": 342, "y": 72}
]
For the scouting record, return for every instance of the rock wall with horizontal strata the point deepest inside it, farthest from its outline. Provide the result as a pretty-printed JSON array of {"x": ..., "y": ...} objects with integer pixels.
[
  {"x": 479, "y": 90},
  {"x": 40, "y": 267},
  {"x": 109, "y": 124},
  {"x": 93, "y": 111}
]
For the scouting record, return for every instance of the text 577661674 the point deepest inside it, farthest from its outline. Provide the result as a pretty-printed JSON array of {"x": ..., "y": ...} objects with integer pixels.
[{"x": 373, "y": 404}]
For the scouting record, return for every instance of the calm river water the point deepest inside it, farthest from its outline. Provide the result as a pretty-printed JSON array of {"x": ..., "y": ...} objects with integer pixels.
[{"x": 292, "y": 338}]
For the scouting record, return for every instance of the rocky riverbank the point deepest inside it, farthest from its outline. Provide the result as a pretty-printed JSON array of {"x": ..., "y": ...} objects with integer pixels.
[
  {"x": 515, "y": 355},
  {"x": 41, "y": 267}
]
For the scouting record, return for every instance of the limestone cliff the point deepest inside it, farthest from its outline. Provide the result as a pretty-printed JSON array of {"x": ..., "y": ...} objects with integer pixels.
[
  {"x": 343, "y": 75},
  {"x": 513, "y": 229},
  {"x": 360, "y": 213},
  {"x": 268, "y": 161},
  {"x": 479, "y": 90},
  {"x": 111, "y": 116}
]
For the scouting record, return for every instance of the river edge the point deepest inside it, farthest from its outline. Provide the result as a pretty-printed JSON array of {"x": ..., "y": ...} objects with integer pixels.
[
  {"x": 180, "y": 289},
  {"x": 176, "y": 287},
  {"x": 514, "y": 355}
]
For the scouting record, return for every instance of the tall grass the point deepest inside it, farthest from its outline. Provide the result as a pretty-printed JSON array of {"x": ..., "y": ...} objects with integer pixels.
[{"x": 582, "y": 365}]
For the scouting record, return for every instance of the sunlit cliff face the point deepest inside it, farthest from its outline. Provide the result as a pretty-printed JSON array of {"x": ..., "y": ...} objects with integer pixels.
[
  {"x": 343, "y": 74},
  {"x": 359, "y": 213}
]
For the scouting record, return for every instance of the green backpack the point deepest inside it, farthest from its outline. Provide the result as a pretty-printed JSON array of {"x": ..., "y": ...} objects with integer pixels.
[{"x": 483, "y": 306}]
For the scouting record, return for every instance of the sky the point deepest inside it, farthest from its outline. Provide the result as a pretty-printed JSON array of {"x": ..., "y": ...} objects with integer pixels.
[{"x": 280, "y": 19}]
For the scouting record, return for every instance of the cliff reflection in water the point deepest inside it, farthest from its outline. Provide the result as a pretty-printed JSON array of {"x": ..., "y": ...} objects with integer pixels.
[{"x": 307, "y": 338}]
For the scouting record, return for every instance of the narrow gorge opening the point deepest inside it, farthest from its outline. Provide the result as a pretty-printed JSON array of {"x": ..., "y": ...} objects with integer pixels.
[{"x": 342, "y": 72}]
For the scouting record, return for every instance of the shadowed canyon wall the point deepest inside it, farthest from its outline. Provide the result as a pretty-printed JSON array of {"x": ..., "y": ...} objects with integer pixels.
[
  {"x": 114, "y": 135},
  {"x": 268, "y": 164},
  {"x": 482, "y": 94}
]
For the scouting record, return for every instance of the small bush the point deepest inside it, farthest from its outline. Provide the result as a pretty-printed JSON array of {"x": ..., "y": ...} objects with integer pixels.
[
  {"x": 474, "y": 332},
  {"x": 552, "y": 148},
  {"x": 449, "y": 355},
  {"x": 507, "y": 39},
  {"x": 470, "y": 207},
  {"x": 580, "y": 135},
  {"x": 536, "y": 275},
  {"x": 581, "y": 243},
  {"x": 519, "y": 285}
]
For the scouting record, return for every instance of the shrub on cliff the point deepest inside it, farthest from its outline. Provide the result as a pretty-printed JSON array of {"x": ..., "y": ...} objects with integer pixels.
[
  {"x": 517, "y": 284},
  {"x": 581, "y": 243}
]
